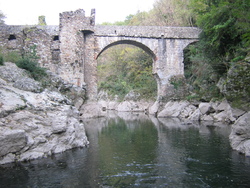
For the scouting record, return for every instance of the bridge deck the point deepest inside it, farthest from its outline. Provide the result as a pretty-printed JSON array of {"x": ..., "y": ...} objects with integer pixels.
[{"x": 148, "y": 31}]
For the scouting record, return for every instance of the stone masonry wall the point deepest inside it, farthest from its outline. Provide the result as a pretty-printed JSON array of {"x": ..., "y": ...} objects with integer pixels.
[
  {"x": 72, "y": 41},
  {"x": 22, "y": 39}
]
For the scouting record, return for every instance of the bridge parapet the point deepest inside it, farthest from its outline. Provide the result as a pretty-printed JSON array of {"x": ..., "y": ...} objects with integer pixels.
[{"x": 148, "y": 31}]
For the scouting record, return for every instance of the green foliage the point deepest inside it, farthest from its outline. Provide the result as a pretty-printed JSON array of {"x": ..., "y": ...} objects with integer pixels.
[
  {"x": 9, "y": 56},
  {"x": 41, "y": 20},
  {"x": 224, "y": 44},
  {"x": 35, "y": 70},
  {"x": 12, "y": 56},
  {"x": 225, "y": 31},
  {"x": 1, "y": 60},
  {"x": 237, "y": 85},
  {"x": 125, "y": 68},
  {"x": 30, "y": 63},
  {"x": 200, "y": 75},
  {"x": 2, "y": 17}
]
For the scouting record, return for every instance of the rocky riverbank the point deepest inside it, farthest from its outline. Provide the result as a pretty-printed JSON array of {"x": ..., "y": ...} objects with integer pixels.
[
  {"x": 190, "y": 112},
  {"x": 35, "y": 123}
]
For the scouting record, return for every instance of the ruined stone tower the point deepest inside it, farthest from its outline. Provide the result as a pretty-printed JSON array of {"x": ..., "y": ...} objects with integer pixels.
[{"x": 77, "y": 47}]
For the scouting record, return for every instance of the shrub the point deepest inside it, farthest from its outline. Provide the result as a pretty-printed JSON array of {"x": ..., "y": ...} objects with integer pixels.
[
  {"x": 1, "y": 60},
  {"x": 36, "y": 72},
  {"x": 12, "y": 57}
]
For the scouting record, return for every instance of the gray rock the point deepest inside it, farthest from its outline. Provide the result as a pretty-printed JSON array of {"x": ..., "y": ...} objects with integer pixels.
[
  {"x": 153, "y": 110},
  {"x": 11, "y": 73},
  {"x": 187, "y": 111},
  {"x": 132, "y": 95},
  {"x": 224, "y": 105},
  {"x": 35, "y": 125},
  {"x": 196, "y": 116},
  {"x": 12, "y": 141},
  {"x": 205, "y": 108},
  {"x": 207, "y": 118},
  {"x": 91, "y": 110},
  {"x": 28, "y": 84},
  {"x": 240, "y": 135},
  {"x": 173, "y": 109},
  {"x": 10, "y": 102}
]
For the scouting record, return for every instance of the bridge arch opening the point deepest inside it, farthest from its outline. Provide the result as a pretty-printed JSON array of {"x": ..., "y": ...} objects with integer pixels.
[
  {"x": 130, "y": 42},
  {"x": 126, "y": 68}
]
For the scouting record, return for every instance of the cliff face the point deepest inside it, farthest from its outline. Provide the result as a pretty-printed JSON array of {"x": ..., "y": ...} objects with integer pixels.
[{"x": 34, "y": 124}]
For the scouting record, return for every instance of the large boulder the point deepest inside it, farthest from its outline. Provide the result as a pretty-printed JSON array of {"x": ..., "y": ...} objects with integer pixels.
[
  {"x": 34, "y": 125},
  {"x": 20, "y": 78},
  {"x": 240, "y": 135},
  {"x": 173, "y": 109},
  {"x": 12, "y": 141},
  {"x": 92, "y": 110}
]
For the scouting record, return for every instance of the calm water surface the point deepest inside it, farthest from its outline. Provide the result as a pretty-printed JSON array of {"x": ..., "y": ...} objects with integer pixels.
[{"x": 138, "y": 151}]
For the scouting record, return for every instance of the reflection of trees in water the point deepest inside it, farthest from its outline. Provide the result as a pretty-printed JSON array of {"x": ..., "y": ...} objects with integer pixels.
[
  {"x": 137, "y": 150},
  {"x": 202, "y": 149},
  {"x": 125, "y": 149}
]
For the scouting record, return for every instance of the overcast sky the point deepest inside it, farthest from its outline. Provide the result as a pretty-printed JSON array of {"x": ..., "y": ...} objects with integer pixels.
[{"x": 26, "y": 12}]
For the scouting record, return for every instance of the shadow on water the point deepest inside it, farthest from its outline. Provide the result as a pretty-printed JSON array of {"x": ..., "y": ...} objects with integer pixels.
[{"x": 134, "y": 150}]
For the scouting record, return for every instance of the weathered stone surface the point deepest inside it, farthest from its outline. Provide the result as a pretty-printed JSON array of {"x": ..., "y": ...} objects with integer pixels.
[
  {"x": 205, "y": 108},
  {"x": 173, "y": 109},
  {"x": 10, "y": 101},
  {"x": 91, "y": 110},
  {"x": 28, "y": 84},
  {"x": 12, "y": 141},
  {"x": 187, "y": 111},
  {"x": 196, "y": 116},
  {"x": 223, "y": 106},
  {"x": 10, "y": 72},
  {"x": 206, "y": 118},
  {"x": 34, "y": 125},
  {"x": 132, "y": 96},
  {"x": 126, "y": 106},
  {"x": 153, "y": 110},
  {"x": 240, "y": 135}
]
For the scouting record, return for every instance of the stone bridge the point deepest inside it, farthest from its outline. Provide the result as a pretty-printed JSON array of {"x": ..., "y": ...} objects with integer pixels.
[{"x": 77, "y": 43}]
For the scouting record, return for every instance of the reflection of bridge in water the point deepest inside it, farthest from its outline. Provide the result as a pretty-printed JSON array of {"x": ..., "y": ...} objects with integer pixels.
[{"x": 170, "y": 151}]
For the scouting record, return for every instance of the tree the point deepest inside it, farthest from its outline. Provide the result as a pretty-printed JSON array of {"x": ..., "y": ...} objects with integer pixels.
[
  {"x": 225, "y": 36},
  {"x": 41, "y": 20},
  {"x": 2, "y": 17},
  {"x": 125, "y": 68}
]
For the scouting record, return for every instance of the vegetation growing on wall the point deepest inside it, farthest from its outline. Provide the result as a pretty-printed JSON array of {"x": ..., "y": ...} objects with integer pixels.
[{"x": 29, "y": 62}]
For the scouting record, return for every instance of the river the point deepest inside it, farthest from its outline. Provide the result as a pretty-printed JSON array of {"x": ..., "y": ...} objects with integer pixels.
[{"x": 133, "y": 150}]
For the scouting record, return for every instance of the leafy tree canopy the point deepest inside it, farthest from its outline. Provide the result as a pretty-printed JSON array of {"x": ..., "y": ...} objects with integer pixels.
[{"x": 2, "y": 17}]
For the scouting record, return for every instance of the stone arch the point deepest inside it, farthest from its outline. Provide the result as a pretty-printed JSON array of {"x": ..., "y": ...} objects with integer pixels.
[{"x": 131, "y": 42}]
